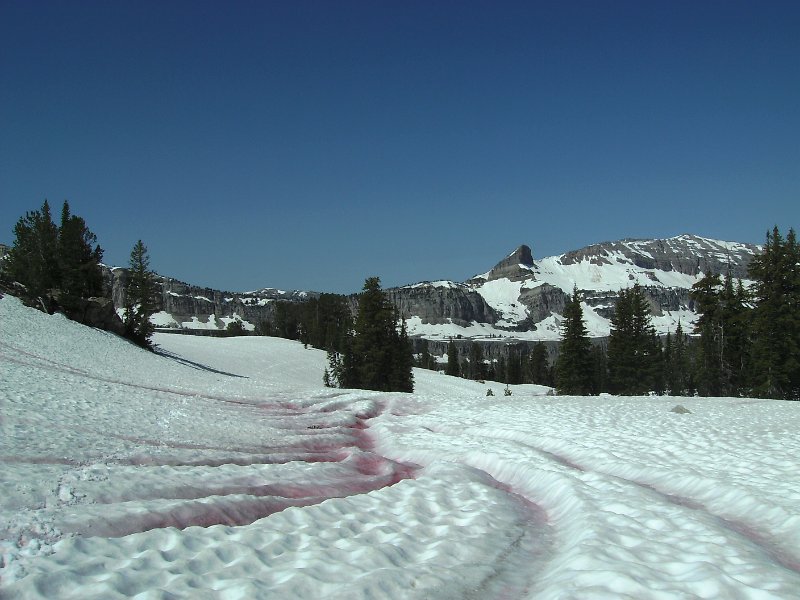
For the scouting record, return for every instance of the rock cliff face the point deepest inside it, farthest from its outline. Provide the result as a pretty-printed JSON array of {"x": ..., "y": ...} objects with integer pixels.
[
  {"x": 182, "y": 305},
  {"x": 686, "y": 254},
  {"x": 445, "y": 302},
  {"x": 519, "y": 300},
  {"x": 543, "y": 301}
]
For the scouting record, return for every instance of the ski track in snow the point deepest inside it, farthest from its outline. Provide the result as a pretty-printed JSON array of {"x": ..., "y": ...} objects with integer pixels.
[
  {"x": 774, "y": 549},
  {"x": 223, "y": 469}
]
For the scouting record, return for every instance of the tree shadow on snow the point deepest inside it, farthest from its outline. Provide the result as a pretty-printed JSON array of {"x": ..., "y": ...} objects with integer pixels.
[{"x": 195, "y": 365}]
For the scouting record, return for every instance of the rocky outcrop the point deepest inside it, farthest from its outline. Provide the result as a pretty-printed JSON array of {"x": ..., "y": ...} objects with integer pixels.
[
  {"x": 190, "y": 304},
  {"x": 687, "y": 254},
  {"x": 442, "y": 303},
  {"x": 661, "y": 299},
  {"x": 543, "y": 301},
  {"x": 96, "y": 312}
]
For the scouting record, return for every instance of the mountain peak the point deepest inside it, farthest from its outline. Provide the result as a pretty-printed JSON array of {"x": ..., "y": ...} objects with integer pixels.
[
  {"x": 516, "y": 266},
  {"x": 522, "y": 256}
]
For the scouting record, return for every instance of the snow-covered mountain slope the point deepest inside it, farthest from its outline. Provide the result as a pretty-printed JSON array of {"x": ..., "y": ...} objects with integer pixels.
[
  {"x": 222, "y": 468},
  {"x": 526, "y": 296}
]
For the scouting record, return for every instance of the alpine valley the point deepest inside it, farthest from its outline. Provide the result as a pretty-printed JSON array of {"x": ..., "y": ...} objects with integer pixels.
[{"x": 520, "y": 298}]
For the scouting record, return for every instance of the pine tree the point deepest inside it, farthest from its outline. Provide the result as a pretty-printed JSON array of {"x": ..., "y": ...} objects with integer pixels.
[
  {"x": 573, "y": 366},
  {"x": 634, "y": 352},
  {"x": 57, "y": 265},
  {"x": 735, "y": 342},
  {"x": 79, "y": 259},
  {"x": 235, "y": 328},
  {"x": 775, "y": 362},
  {"x": 453, "y": 368},
  {"x": 513, "y": 367},
  {"x": 677, "y": 367},
  {"x": 682, "y": 362},
  {"x": 709, "y": 357},
  {"x": 378, "y": 355},
  {"x": 322, "y": 322},
  {"x": 476, "y": 366},
  {"x": 402, "y": 378},
  {"x": 669, "y": 365},
  {"x": 141, "y": 300},
  {"x": 538, "y": 366}
]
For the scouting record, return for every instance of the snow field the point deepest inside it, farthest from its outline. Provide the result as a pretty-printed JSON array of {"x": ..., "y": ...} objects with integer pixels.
[
  {"x": 643, "y": 503},
  {"x": 223, "y": 469}
]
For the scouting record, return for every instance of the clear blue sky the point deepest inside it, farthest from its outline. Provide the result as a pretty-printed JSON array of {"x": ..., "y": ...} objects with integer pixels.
[{"x": 308, "y": 145}]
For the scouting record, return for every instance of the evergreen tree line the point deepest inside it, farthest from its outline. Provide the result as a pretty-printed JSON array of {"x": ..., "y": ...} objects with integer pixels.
[
  {"x": 57, "y": 264},
  {"x": 749, "y": 340},
  {"x": 58, "y": 267},
  {"x": 324, "y": 322},
  {"x": 515, "y": 368},
  {"x": 746, "y": 342}
]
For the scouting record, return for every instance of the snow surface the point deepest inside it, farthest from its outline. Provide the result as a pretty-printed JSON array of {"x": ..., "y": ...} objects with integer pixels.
[
  {"x": 503, "y": 296},
  {"x": 222, "y": 468},
  {"x": 620, "y": 274}
]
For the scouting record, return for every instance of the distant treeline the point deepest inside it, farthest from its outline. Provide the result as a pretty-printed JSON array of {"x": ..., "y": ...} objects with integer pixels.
[{"x": 323, "y": 322}]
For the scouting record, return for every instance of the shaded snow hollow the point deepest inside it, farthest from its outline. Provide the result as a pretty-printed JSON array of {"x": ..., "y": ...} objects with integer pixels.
[{"x": 223, "y": 469}]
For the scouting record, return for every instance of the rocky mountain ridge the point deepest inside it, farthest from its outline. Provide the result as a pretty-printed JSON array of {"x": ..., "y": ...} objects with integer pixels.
[
  {"x": 525, "y": 297},
  {"x": 185, "y": 306},
  {"x": 520, "y": 298}
]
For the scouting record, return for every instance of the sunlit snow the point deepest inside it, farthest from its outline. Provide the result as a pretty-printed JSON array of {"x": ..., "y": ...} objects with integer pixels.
[{"x": 222, "y": 468}]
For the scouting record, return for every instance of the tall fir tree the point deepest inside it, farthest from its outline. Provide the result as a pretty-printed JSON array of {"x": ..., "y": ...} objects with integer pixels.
[
  {"x": 538, "y": 365},
  {"x": 634, "y": 352},
  {"x": 378, "y": 357},
  {"x": 775, "y": 361},
  {"x": 402, "y": 377},
  {"x": 573, "y": 366},
  {"x": 426, "y": 360},
  {"x": 735, "y": 315},
  {"x": 708, "y": 354},
  {"x": 79, "y": 259},
  {"x": 513, "y": 366},
  {"x": 453, "y": 367},
  {"x": 669, "y": 366},
  {"x": 677, "y": 367},
  {"x": 141, "y": 300},
  {"x": 476, "y": 367}
]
